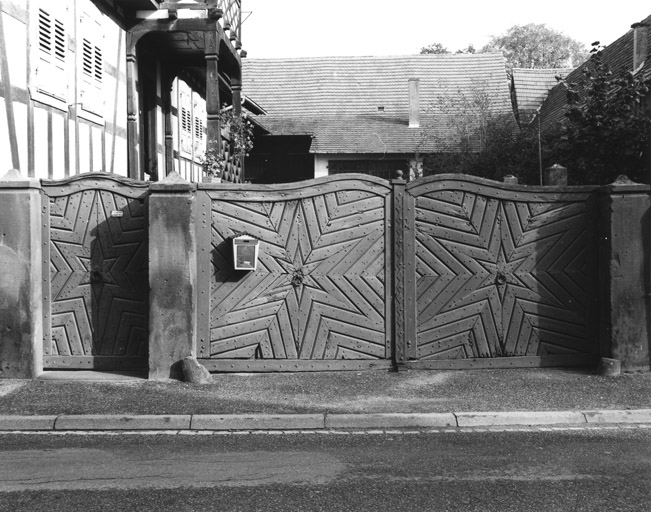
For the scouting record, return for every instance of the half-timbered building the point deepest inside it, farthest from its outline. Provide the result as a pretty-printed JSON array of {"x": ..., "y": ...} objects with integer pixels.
[{"x": 130, "y": 87}]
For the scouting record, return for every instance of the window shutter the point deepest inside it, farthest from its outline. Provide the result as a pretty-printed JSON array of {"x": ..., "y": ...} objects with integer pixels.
[
  {"x": 185, "y": 113},
  {"x": 91, "y": 86},
  {"x": 199, "y": 122},
  {"x": 51, "y": 70}
]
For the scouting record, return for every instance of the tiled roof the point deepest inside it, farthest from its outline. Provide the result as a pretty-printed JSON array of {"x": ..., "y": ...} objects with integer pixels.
[
  {"x": 337, "y": 100},
  {"x": 532, "y": 85},
  {"x": 618, "y": 56},
  {"x": 368, "y": 133}
]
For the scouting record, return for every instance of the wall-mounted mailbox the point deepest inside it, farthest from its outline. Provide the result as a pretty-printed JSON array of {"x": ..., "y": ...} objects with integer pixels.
[{"x": 245, "y": 252}]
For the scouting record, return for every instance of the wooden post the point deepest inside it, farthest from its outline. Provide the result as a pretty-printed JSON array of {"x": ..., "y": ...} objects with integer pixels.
[
  {"x": 213, "y": 106},
  {"x": 169, "y": 129},
  {"x": 404, "y": 275},
  {"x": 236, "y": 89},
  {"x": 133, "y": 116}
]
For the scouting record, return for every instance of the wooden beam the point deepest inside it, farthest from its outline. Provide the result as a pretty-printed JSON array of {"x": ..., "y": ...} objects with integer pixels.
[
  {"x": 213, "y": 105},
  {"x": 153, "y": 23},
  {"x": 9, "y": 104},
  {"x": 196, "y": 6}
]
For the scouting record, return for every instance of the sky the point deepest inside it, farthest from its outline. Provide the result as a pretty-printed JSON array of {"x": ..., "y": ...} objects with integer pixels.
[{"x": 318, "y": 28}]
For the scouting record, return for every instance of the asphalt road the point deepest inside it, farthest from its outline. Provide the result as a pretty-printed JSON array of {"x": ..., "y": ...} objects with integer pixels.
[{"x": 570, "y": 470}]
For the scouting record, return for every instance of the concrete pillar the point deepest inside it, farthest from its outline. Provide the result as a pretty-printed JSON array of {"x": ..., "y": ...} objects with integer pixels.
[
  {"x": 21, "y": 283},
  {"x": 625, "y": 274},
  {"x": 172, "y": 276},
  {"x": 555, "y": 176}
]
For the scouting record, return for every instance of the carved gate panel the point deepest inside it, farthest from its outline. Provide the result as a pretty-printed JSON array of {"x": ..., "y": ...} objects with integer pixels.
[
  {"x": 501, "y": 272},
  {"x": 319, "y": 297},
  {"x": 96, "y": 300}
]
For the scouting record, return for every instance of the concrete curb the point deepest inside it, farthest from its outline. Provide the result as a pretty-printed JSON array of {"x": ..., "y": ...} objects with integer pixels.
[
  {"x": 525, "y": 418},
  {"x": 627, "y": 416},
  {"x": 122, "y": 422},
  {"x": 27, "y": 422},
  {"x": 390, "y": 420},
  {"x": 316, "y": 422},
  {"x": 257, "y": 422}
]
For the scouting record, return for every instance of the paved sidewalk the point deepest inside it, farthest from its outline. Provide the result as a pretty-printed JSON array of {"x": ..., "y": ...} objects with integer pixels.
[{"x": 84, "y": 401}]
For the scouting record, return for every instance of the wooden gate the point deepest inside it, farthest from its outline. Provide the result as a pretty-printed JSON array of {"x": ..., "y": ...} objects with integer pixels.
[
  {"x": 319, "y": 298},
  {"x": 505, "y": 275},
  {"x": 95, "y": 266}
]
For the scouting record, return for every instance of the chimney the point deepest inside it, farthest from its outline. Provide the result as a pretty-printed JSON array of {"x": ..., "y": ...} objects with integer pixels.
[
  {"x": 640, "y": 44},
  {"x": 414, "y": 103}
]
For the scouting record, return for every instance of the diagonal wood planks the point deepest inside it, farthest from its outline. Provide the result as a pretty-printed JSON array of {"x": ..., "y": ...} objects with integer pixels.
[
  {"x": 319, "y": 291},
  {"x": 98, "y": 283},
  {"x": 501, "y": 274}
]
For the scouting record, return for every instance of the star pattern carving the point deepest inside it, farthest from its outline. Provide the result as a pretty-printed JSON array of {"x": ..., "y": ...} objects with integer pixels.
[
  {"x": 499, "y": 278},
  {"x": 319, "y": 289},
  {"x": 97, "y": 275}
]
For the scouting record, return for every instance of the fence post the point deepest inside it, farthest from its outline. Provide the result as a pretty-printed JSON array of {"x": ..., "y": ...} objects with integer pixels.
[
  {"x": 403, "y": 275},
  {"x": 172, "y": 276},
  {"x": 21, "y": 284},
  {"x": 625, "y": 271}
]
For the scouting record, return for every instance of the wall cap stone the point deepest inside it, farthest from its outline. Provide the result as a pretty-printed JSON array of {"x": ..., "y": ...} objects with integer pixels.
[
  {"x": 14, "y": 179},
  {"x": 173, "y": 182},
  {"x": 625, "y": 185}
]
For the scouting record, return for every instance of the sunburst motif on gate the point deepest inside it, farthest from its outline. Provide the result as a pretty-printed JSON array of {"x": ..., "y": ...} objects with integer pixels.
[
  {"x": 318, "y": 292},
  {"x": 500, "y": 278}
]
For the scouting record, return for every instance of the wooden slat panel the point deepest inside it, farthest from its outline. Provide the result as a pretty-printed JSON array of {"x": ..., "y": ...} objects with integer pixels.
[
  {"x": 98, "y": 277},
  {"x": 319, "y": 289},
  {"x": 501, "y": 271}
]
